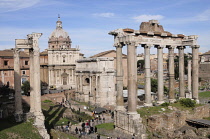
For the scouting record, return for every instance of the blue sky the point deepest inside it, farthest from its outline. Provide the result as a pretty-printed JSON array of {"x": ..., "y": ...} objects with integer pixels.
[{"x": 89, "y": 21}]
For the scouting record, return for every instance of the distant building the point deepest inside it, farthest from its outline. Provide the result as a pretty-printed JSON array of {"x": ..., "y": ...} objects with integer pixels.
[
  {"x": 112, "y": 53},
  {"x": 95, "y": 79},
  {"x": 7, "y": 67},
  {"x": 61, "y": 59},
  {"x": 204, "y": 67}
]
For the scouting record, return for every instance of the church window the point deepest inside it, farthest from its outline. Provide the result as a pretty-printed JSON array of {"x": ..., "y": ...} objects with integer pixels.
[
  {"x": 57, "y": 57},
  {"x": 57, "y": 73},
  {"x": 64, "y": 80},
  {"x": 64, "y": 60},
  {"x": 52, "y": 46}
]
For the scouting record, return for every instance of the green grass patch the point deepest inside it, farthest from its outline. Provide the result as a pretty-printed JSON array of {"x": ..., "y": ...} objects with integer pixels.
[
  {"x": 47, "y": 101},
  {"x": 106, "y": 126},
  {"x": 148, "y": 111},
  {"x": 205, "y": 94},
  {"x": 12, "y": 130},
  {"x": 207, "y": 118},
  {"x": 58, "y": 134}
]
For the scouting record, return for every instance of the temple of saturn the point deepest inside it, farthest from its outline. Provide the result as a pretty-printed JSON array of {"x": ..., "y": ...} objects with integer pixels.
[
  {"x": 31, "y": 43},
  {"x": 150, "y": 34}
]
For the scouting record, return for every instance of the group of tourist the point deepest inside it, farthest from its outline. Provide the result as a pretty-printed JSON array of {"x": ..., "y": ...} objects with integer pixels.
[{"x": 86, "y": 128}]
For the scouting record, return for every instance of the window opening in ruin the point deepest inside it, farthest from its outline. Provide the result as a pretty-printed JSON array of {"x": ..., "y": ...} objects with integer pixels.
[
  {"x": 87, "y": 80},
  {"x": 23, "y": 80},
  {"x": 24, "y": 72},
  {"x": 26, "y": 62},
  {"x": 7, "y": 83},
  {"x": 5, "y": 63}
]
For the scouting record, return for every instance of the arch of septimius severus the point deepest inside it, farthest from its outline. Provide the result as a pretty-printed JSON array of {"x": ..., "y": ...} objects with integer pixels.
[
  {"x": 150, "y": 34},
  {"x": 31, "y": 43}
]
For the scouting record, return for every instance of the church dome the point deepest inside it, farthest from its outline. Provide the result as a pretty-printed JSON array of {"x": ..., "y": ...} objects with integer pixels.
[
  {"x": 59, "y": 32},
  {"x": 59, "y": 38}
]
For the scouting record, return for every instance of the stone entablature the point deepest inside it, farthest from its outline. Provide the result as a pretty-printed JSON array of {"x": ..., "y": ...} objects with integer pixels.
[{"x": 95, "y": 79}]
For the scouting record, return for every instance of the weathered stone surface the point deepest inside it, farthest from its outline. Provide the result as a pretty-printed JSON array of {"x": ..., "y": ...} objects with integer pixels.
[
  {"x": 176, "y": 119},
  {"x": 151, "y": 26},
  {"x": 190, "y": 133}
]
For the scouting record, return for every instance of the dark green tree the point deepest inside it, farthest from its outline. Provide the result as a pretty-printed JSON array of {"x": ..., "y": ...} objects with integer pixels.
[
  {"x": 154, "y": 85},
  {"x": 140, "y": 64},
  {"x": 26, "y": 87}
]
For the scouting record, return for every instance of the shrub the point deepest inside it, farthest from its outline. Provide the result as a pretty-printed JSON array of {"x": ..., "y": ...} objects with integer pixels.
[
  {"x": 165, "y": 104},
  {"x": 187, "y": 102}
]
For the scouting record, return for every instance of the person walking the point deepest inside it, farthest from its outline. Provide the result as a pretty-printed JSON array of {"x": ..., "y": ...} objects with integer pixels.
[{"x": 76, "y": 130}]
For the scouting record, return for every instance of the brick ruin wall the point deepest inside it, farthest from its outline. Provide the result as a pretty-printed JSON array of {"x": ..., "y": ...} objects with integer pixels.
[{"x": 176, "y": 119}]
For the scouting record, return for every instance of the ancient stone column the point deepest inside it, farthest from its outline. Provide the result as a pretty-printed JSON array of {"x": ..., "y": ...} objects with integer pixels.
[
  {"x": 189, "y": 76},
  {"x": 17, "y": 86},
  {"x": 181, "y": 72},
  {"x": 132, "y": 78},
  {"x": 119, "y": 78},
  {"x": 147, "y": 86},
  {"x": 39, "y": 117},
  {"x": 195, "y": 67},
  {"x": 171, "y": 73},
  {"x": 160, "y": 74},
  {"x": 31, "y": 59}
]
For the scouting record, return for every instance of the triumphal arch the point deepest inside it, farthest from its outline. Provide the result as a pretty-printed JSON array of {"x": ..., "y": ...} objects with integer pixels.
[{"x": 150, "y": 34}]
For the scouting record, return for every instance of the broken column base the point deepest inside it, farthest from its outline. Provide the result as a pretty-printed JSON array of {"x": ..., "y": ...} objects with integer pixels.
[
  {"x": 172, "y": 100},
  {"x": 129, "y": 123},
  {"x": 39, "y": 123},
  {"x": 18, "y": 117},
  {"x": 188, "y": 95}
]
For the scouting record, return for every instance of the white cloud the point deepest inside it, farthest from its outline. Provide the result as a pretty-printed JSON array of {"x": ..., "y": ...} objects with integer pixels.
[
  {"x": 204, "y": 16},
  {"x": 143, "y": 18},
  {"x": 104, "y": 14},
  {"x": 14, "y": 5}
]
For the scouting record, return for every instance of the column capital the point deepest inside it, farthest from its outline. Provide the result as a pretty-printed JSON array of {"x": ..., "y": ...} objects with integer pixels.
[
  {"x": 132, "y": 43},
  {"x": 181, "y": 47},
  {"x": 195, "y": 46},
  {"x": 170, "y": 46},
  {"x": 159, "y": 46},
  {"x": 118, "y": 45},
  {"x": 16, "y": 52},
  {"x": 147, "y": 45}
]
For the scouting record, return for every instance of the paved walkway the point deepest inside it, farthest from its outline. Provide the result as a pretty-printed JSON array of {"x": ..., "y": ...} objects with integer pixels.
[{"x": 77, "y": 107}]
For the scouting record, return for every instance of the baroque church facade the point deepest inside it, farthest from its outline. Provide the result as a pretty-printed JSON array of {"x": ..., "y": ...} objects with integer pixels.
[{"x": 61, "y": 59}]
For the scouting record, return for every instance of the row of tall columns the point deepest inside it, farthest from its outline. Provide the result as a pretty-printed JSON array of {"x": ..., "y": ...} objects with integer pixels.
[
  {"x": 17, "y": 86},
  {"x": 132, "y": 76}
]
